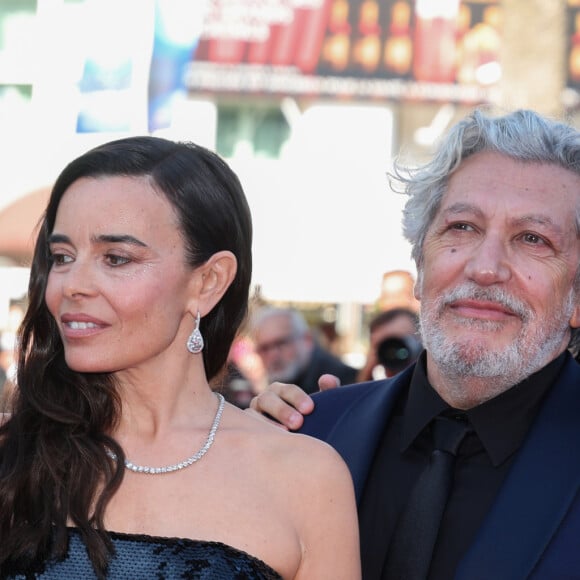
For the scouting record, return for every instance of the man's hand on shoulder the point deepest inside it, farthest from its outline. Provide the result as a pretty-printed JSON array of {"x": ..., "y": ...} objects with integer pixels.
[{"x": 285, "y": 405}]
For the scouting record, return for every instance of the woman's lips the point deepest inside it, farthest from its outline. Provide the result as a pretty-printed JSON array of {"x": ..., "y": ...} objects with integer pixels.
[{"x": 81, "y": 325}]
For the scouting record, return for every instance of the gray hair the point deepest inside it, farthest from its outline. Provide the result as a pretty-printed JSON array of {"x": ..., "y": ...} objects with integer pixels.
[
  {"x": 298, "y": 322},
  {"x": 522, "y": 135}
]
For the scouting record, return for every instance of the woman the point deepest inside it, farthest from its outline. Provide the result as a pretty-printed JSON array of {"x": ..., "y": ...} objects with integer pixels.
[{"x": 118, "y": 460}]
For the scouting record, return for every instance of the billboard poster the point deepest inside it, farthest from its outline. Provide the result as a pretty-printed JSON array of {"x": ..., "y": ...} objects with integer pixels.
[
  {"x": 422, "y": 49},
  {"x": 176, "y": 34}
]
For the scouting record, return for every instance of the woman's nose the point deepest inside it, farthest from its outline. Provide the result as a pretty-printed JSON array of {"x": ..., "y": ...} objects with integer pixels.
[{"x": 79, "y": 280}]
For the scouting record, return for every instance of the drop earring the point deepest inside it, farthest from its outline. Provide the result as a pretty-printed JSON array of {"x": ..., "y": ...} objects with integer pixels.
[{"x": 195, "y": 340}]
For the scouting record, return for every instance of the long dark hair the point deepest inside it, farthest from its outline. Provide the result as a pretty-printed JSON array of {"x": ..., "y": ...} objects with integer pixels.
[{"x": 53, "y": 459}]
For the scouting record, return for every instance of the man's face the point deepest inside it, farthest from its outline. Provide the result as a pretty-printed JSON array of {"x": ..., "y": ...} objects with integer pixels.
[
  {"x": 284, "y": 352},
  {"x": 497, "y": 280}
]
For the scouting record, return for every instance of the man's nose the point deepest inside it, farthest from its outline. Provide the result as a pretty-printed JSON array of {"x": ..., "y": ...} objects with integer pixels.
[{"x": 488, "y": 263}]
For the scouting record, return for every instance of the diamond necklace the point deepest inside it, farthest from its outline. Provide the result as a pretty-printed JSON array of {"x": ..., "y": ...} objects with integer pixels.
[{"x": 186, "y": 462}]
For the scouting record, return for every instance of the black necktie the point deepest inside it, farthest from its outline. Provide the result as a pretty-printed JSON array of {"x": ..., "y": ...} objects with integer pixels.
[{"x": 411, "y": 549}]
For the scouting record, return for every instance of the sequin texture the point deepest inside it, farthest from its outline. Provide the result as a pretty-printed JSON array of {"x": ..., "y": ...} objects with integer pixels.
[{"x": 140, "y": 557}]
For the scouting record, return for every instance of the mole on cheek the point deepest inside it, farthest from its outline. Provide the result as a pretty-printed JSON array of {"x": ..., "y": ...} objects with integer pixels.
[{"x": 453, "y": 250}]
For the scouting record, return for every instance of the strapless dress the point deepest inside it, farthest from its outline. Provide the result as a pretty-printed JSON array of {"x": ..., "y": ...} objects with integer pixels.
[{"x": 141, "y": 557}]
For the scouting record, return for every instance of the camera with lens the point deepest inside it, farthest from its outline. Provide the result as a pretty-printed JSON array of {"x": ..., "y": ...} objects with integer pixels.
[{"x": 398, "y": 352}]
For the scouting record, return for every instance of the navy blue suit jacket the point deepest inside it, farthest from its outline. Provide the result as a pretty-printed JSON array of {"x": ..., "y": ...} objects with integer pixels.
[{"x": 533, "y": 528}]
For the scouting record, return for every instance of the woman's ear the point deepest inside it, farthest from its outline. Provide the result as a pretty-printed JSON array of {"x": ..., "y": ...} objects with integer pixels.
[{"x": 212, "y": 280}]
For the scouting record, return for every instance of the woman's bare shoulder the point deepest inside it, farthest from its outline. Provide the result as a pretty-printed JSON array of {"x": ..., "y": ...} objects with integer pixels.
[
  {"x": 291, "y": 450},
  {"x": 317, "y": 456}
]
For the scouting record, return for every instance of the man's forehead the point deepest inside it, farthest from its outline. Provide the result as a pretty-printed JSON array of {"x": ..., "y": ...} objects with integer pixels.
[
  {"x": 539, "y": 215},
  {"x": 492, "y": 170},
  {"x": 546, "y": 200},
  {"x": 273, "y": 323}
]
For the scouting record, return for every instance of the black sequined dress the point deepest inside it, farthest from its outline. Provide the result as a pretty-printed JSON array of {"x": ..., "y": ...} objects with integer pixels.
[{"x": 140, "y": 557}]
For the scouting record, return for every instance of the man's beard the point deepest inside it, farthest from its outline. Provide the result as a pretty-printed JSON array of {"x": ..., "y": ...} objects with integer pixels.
[
  {"x": 535, "y": 346},
  {"x": 292, "y": 369},
  {"x": 288, "y": 374}
]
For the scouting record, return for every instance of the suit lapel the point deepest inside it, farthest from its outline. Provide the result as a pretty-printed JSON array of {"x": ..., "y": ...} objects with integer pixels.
[
  {"x": 357, "y": 433},
  {"x": 537, "y": 493}
]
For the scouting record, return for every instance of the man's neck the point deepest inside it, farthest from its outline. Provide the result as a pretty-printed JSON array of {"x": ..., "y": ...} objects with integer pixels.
[
  {"x": 464, "y": 392},
  {"x": 467, "y": 392}
]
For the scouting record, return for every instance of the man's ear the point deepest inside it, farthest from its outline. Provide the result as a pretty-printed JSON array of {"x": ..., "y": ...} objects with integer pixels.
[
  {"x": 575, "y": 318},
  {"x": 211, "y": 281},
  {"x": 418, "y": 284}
]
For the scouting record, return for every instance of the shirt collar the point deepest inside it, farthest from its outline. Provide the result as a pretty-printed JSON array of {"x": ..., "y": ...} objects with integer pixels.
[{"x": 500, "y": 423}]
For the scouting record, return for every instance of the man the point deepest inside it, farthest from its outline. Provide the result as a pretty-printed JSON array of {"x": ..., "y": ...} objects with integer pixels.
[
  {"x": 393, "y": 343},
  {"x": 290, "y": 353},
  {"x": 494, "y": 224}
]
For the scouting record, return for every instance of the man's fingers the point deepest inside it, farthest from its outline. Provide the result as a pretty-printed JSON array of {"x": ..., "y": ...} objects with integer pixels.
[
  {"x": 283, "y": 403},
  {"x": 264, "y": 417},
  {"x": 326, "y": 382}
]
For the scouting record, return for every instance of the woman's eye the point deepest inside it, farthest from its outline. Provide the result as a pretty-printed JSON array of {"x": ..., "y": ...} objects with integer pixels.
[
  {"x": 60, "y": 259},
  {"x": 115, "y": 260}
]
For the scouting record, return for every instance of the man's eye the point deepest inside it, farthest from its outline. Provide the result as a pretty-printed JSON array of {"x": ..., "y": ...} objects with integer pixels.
[
  {"x": 533, "y": 239},
  {"x": 115, "y": 260},
  {"x": 461, "y": 227}
]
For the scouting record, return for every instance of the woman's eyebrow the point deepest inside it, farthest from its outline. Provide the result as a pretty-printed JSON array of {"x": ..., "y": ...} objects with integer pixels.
[
  {"x": 104, "y": 238},
  {"x": 119, "y": 239},
  {"x": 58, "y": 239}
]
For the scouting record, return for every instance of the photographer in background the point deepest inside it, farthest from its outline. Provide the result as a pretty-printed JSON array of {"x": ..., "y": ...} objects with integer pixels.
[{"x": 393, "y": 344}]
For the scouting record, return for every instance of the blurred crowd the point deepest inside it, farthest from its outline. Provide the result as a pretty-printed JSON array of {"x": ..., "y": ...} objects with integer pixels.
[{"x": 279, "y": 344}]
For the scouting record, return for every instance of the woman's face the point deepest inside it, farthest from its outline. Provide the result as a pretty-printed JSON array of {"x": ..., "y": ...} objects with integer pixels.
[{"x": 119, "y": 287}]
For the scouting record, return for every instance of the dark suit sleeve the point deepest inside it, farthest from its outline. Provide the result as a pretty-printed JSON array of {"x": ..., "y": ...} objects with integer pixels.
[{"x": 329, "y": 406}]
